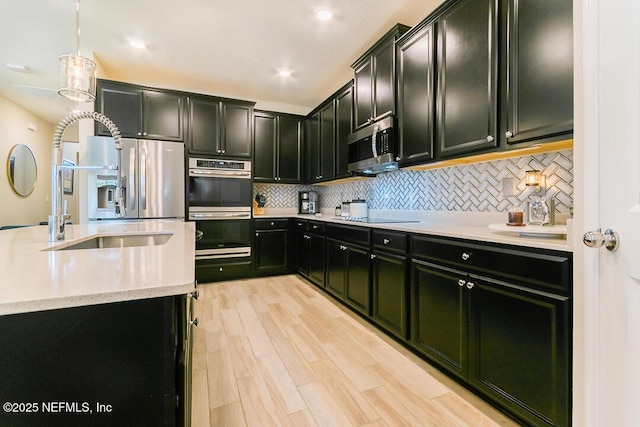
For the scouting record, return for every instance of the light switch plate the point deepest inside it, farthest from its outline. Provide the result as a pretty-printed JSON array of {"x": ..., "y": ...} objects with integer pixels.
[{"x": 509, "y": 187}]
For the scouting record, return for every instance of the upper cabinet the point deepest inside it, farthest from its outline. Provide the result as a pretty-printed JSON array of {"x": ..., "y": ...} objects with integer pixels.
[
  {"x": 538, "y": 91},
  {"x": 375, "y": 79},
  {"x": 277, "y": 147},
  {"x": 140, "y": 112},
  {"x": 328, "y": 128},
  {"x": 416, "y": 98},
  {"x": 219, "y": 127},
  {"x": 467, "y": 92}
]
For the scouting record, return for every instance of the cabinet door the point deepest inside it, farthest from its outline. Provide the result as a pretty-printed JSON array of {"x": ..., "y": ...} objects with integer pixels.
[
  {"x": 540, "y": 70},
  {"x": 344, "y": 127},
  {"x": 327, "y": 142},
  {"x": 271, "y": 251},
  {"x": 204, "y": 126},
  {"x": 302, "y": 253},
  {"x": 384, "y": 81},
  {"x": 363, "y": 95},
  {"x": 289, "y": 150},
  {"x": 162, "y": 116},
  {"x": 313, "y": 148},
  {"x": 358, "y": 279},
  {"x": 416, "y": 97},
  {"x": 467, "y": 75},
  {"x": 123, "y": 106},
  {"x": 236, "y": 133},
  {"x": 316, "y": 259},
  {"x": 336, "y": 266},
  {"x": 389, "y": 289},
  {"x": 265, "y": 137},
  {"x": 520, "y": 350},
  {"x": 440, "y": 316}
]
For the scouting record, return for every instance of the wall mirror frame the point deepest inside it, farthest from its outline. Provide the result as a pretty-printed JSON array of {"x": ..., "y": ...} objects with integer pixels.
[{"x": 22, "y": 171}]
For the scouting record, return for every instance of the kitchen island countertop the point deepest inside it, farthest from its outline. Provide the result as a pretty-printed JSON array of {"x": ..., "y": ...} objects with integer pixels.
[{"x": 34, "y": 278}]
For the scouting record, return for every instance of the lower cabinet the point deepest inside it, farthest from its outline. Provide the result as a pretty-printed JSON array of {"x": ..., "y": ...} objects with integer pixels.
[
  {"x": 271, "y": 246},
  {"x": 504, "y": 331},
  {"x": 389, "y": 292},
  {"x": 348, "y": 274},
  {"x": 102, "y": 365},
  {"x": 309, "y": 247}
]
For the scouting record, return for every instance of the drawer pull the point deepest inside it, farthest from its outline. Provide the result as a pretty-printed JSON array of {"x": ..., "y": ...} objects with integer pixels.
[
  {"x": 465, "y": 256},
  {"x": 470, "y": 285},
  {"x": 373, "y": 256},
  {"x": 272, "y": 224},
  {"x": 461, "y": 282},
  {"x": 386, "y": 241}
]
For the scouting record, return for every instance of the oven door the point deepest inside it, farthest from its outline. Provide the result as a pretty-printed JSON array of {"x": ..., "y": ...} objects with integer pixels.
[
  {"x": 219, "y": 191},
  {"x": 223, "y": 238}
]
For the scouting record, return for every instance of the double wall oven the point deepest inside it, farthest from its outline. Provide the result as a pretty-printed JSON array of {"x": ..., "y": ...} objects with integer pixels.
[{"x": 219, "y": 201}]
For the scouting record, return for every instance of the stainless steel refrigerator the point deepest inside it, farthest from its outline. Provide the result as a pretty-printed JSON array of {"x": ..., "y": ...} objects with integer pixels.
[{"x": 152, "y": 175}]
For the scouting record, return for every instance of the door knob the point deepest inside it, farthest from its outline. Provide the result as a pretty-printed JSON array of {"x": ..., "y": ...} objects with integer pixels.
[{"x": 595, "y": 239}]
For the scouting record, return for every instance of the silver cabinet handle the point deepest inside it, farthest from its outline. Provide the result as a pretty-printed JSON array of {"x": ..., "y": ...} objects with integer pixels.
[
  {"x": 470, "y": 285},
  {"x": 490, "y": 138},
  {"x": 373, "y": 256},
  {"x": 461, "y": 282},
  {"x": 508, "y": 134},
  {"x": 386, "y": 241},
  {"x": 465, "y": 256},
  {"x": 595, "y": 239},
  {"x": 194, "y": 322},
  {"x": 195, "y": 294},
  {"x": 272, "y": 223}
]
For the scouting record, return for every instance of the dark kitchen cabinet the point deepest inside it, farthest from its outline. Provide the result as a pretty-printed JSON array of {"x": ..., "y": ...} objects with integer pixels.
[
  {"x": 278, "y": 142},
  {"x": 322, "y": 144},
  {"x": 416, "y": 95},
  {"x": 140, "y": 112},
  {"x": 219, "y": 127},
  {"x": 310, "y": 245},
  {"x": 271, "y": 246},
  {"x": 344, "y": 127},
  {"x": 499, "y": 318},
  {"x": 375, "y": 79},
  {"x": 129, "y": 356},
  {"x": 389, "y": 266},
  {"x": 467, "y": 58},
  {"x": 348, "y": 265},
  {"x": 538, "y": 64}
]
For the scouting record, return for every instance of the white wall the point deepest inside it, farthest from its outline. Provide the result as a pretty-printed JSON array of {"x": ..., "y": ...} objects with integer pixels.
[{"x": 14, "y": 123}]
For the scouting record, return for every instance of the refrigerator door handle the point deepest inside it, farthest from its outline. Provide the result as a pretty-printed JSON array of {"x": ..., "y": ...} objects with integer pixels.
[
  {"x": 143, "y": 178},
  {"x": 131, "y": 186}
]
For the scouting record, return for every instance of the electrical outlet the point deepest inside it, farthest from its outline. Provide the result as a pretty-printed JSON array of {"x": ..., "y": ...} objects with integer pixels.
[{"x": 509, "y": 187}]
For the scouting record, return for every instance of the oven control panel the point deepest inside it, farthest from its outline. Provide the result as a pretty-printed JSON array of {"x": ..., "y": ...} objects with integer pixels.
[{"x": 219, "y": 164}]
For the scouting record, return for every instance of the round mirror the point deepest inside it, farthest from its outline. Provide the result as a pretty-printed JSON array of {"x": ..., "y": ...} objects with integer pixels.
[{"x": 21, "y": 170}]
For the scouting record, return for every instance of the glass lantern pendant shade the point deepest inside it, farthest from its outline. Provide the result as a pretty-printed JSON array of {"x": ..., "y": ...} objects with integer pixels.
[
  {"x": 77, "y": 73},
  {"x": 77, "y": 78}
]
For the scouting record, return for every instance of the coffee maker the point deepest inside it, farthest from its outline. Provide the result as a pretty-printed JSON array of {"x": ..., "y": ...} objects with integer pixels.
[{"x": 307, "y": 202}]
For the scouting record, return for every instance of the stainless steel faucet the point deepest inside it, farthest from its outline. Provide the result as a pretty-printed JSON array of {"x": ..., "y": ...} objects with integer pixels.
[{"x": 58, "y": 216}]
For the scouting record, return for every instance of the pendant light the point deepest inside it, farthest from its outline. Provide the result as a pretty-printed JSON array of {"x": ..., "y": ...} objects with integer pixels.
[{"x": 77, "y": 73}]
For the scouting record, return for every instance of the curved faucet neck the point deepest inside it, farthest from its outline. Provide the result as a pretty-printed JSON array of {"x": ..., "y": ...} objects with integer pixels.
[{"x": 58, "y": 218}]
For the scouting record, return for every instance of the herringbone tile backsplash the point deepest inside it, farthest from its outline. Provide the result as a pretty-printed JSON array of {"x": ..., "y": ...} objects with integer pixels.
[{"x": 476, "y": 187}]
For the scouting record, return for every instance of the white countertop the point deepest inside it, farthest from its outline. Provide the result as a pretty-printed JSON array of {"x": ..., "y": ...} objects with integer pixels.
[
  {"x": 33, "y": 278},
  {"x": 460, "y": 225}
]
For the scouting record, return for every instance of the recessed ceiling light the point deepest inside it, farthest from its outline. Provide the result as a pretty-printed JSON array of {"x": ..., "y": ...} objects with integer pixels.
[
  {"x": 19, "y": 68},
  {"x": 284, "y": 73},
  {"x": 324, "y": 14},
  {"x": 138, "y": 44}
]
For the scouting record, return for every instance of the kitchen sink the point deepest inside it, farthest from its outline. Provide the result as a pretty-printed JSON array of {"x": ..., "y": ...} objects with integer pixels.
[{"x": 114, "y": 241}]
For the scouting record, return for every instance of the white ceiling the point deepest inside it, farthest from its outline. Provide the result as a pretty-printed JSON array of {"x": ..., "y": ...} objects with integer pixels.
[{"x": 230, "y": 48}]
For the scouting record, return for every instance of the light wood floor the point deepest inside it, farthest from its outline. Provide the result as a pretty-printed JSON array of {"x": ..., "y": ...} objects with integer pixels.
[{"x": 278, "y": 351}]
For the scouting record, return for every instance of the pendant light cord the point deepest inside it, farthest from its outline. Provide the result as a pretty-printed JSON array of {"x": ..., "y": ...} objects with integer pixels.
[{"x": 78, "y": 27}]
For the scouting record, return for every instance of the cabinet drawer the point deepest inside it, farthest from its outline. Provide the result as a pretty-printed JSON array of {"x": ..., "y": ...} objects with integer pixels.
[
  {"x": 316, "y": 227},
  {"x": 537, "y": 268},
  {"x": 300, "y": 224},
  {"x": 350, "y": 234},
  {"x": 215, "y": 271},
  {"x": 390, "y": 241},
  {"x": 271, "y": 224}
]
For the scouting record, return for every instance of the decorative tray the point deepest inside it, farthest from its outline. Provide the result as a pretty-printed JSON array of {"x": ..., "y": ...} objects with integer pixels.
[{"x": 532, "y": 230}]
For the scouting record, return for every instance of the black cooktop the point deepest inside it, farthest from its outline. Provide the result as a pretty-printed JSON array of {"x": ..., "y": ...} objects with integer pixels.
[{"x": 375, "y": 220}]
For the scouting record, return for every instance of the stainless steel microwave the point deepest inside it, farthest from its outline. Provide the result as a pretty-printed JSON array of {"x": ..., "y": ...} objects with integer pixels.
[{"x": 373, "y": 149}]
